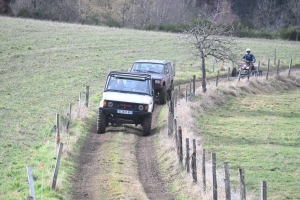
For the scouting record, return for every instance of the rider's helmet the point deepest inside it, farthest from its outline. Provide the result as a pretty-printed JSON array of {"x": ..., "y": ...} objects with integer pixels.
[{"x": 248, "y": 50}]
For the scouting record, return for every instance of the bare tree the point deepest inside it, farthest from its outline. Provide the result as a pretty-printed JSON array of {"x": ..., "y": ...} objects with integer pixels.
[
  {"x": 3, "y": 6},
  {"x": 225, "y": 12},
  {"x": 211, "y": 39},
  {"x": 266, "y": 15},
  {"x": 293, "y": 7}
]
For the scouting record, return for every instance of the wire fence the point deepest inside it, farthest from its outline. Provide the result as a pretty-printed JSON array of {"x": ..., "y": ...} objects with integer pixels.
[
  {"x": 196, "y": 162},
  {"x": 61, "y": 141}
]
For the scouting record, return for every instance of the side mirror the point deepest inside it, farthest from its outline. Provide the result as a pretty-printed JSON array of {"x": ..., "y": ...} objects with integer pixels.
[{"x": 129, "y": 69}]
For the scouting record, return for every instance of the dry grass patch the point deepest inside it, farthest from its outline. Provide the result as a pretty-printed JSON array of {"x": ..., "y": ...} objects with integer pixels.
[{"x": 220, "y": 96}]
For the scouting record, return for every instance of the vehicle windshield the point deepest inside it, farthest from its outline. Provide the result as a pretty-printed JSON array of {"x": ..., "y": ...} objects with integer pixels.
[
  {"x": 148, "y": 67},
  {"x": 128, "y": 85}
]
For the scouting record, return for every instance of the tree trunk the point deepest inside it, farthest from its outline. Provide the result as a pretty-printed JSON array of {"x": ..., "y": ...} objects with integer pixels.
[{"x": 203, "y": 75}]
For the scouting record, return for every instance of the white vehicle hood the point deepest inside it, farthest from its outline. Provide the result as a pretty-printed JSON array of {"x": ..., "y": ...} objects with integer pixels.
[{"x": 127, "y": 97}]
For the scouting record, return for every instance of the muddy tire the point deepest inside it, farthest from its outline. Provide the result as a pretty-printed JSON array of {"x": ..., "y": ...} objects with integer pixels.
[
  {"x": 147, "y": 125},
  {"x": 163, "y": 96},
  {"x": 101, "y": 122}
]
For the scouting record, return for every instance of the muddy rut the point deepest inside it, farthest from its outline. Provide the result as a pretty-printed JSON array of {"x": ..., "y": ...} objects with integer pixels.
[{"x": 120, "y": 164}]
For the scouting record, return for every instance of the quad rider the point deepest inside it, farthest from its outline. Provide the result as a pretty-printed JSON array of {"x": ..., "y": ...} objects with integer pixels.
[{"x": 249, "y": 58}]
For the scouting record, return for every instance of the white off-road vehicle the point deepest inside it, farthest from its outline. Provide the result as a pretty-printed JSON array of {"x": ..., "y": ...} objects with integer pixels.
[{"x": 128, "y": 98}]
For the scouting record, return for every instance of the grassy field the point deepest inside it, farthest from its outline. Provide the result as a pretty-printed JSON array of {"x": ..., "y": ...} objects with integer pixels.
[
  {"x": 44, "y": 65},
  {"x": 260, "y": 134}
]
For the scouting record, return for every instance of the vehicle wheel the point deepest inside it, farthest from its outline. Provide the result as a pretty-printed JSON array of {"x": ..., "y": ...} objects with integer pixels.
[
  {"x": 147, "y": 125},
  {"x": 162, "y": 96},
  {"x": 101, "y": 122}
]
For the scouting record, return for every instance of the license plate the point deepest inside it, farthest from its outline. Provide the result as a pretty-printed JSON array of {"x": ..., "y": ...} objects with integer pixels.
[{"x": 127, "y": 112}]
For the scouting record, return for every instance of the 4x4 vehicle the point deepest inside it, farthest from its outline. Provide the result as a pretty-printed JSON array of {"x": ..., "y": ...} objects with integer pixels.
[
  {"x": 162, "y": 74},
  {"x": 128, "y": 98}
]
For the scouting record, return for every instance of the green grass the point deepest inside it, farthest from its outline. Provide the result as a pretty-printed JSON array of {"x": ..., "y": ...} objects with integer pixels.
[
  {"x": 43, "y": 67},
  {"x": 259, "y": 133}
]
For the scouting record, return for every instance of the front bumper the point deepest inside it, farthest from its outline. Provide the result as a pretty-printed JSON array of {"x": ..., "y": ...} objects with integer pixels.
[{"x": 114, "y": 111}]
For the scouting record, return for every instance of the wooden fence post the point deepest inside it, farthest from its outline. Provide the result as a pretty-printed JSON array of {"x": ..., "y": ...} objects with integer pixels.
[
  {"x": 175, "y": 130},
  {"x": 175, "y": 97},
  {"x": 87, "y": 94},
  {"x": 228, "y": 74},
  {"x": 258, "y": 71},
  {"x": 69, "y": 120},
  {"x": 194, "y": 84},
  {"x": 171, "y": 118},
  {"x": 187, "y": 155},
  {"x": 57, "y": 137},
  {"x": 263, "y": 190},
  {"x": 248, "y": 75},
  {"x": 217, "y": 78},
  {"x": 194, "y": 165},
  {"x": 213, "y": 63},
  {"x": 227, "y": 182},
  {"x": 174, "y": 67},
  {"x": 186, "y": 93},
  {"x": 172, "y": 106},
  {"x": 203, "y": 171},
  {"x": 31, "y": 183},
  {"x": 79, "y": 104},
  {"x": 179, "y": 147},
  {"x": 268, "y": 69},
  {"x": 57, "y": 166},
  {"x": 214, "y": 176},
  {"x": 275, "y": 57},
  {"x": 70, "y": 111},
  {"x": 278, "y": 67},
  {"x": 290, "y": 68},
  {"x": 242, "y": 185},
  {"x": 191, "y": 86}
]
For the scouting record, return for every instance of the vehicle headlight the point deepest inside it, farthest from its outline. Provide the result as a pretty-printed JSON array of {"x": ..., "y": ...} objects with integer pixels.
[
  {"x": 157, "y": 82},
  {"x": 108, "y": 103},
  {"x": 141, "y": 107}
]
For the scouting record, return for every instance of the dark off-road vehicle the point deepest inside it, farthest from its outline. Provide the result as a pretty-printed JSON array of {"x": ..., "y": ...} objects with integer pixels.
[
  {"x": 128, "y": 98},
  {"x": 162, "y": 74}
]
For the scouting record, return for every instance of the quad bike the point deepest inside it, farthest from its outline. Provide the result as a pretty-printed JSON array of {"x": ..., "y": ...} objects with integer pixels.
[{"x": 246, "y": 69}]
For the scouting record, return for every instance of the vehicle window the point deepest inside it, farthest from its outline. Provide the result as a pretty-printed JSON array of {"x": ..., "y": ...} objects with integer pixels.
[
  {"x": 167, "y": 69},
  {"x": 116, "y": 84},
  {"x": 148, "y": 67},
  {"x": 128, "y": 85}
]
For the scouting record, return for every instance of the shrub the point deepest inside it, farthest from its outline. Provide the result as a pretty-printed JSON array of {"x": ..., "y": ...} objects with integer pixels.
[
  {"x": 113, "y": 23},
  {"x": 90, "y": 21},
  {"x": 263, "y": 33},
  {"x": 24, "y": 12},
  {"x": 290, "y": 33}
]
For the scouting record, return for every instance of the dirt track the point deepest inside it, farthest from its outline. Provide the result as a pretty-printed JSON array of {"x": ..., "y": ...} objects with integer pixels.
[{"x": 120, "y": 164}]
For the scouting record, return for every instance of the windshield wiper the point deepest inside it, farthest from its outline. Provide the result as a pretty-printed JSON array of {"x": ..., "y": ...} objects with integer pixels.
[
  {"x": 137, "y": 70},
  {"x": 153, "y": 72}
]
